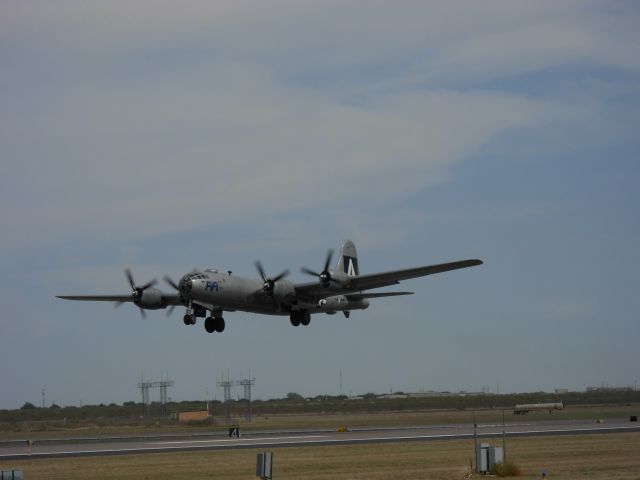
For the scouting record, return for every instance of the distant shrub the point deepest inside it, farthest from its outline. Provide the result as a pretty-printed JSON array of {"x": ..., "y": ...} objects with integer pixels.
[{"x": 507, "y": 469}]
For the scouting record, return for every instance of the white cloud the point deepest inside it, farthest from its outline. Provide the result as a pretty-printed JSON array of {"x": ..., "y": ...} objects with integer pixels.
[
  {"x": 134, "y": 161},
  {"x": 131, "y": 121}
]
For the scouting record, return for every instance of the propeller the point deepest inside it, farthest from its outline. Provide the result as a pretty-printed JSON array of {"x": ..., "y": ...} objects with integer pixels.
[
  {"x": 168, "y": 279},
  {"x": 269, "y": 283},
  {"x": 136, "y": 291},
  {"x": 173, "y": 284},
  {"x": 325, "y": 275}
]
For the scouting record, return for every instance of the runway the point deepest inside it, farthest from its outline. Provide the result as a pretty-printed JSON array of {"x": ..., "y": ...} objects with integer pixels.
[{"x": 16, "y": 450}]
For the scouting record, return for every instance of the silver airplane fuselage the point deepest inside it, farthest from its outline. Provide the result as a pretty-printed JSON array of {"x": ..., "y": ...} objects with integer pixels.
[{"x": 229, "y": 292}]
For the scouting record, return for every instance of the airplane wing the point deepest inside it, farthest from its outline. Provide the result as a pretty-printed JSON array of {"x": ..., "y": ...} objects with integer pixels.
[
  {"x": 393, "y": 277},
  {"x": 315, "y": 291},
  {"x": 167, "y": 298},
  {"x": 364, "y": 296},
  {"x": 98, "y": 298}
]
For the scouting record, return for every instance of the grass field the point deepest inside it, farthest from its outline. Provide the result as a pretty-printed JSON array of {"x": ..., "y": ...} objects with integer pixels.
[
  {"x": 595, "y": 457},
  {"x": 435, "y": 417},
  {"x": 333, "y": 421}
]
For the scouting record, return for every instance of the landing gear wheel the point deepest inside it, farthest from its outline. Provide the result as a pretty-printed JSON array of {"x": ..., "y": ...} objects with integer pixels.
[
  {"x": 189, "y": 320},
  {"x": 210, "y": 324},
  {"x": 218, "y": 324},
  {"x": 295, "y": 318},
  {"x": 305, "y": 319}
]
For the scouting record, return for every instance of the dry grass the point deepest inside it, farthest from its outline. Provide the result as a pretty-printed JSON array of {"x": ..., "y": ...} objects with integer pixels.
[
  {"x": 435, "y": 417},
  {"x": 596, "y": 457},
  {"x": 506, "y": 469},
  {"x": 333, "y": 421}
]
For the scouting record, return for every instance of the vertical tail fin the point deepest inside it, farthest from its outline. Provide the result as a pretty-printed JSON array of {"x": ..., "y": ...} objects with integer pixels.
[{"x": 348, "y": 260}]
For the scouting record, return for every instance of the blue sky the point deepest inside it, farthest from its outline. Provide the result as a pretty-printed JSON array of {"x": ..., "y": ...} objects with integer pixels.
[{"x": 163, "y": 137}]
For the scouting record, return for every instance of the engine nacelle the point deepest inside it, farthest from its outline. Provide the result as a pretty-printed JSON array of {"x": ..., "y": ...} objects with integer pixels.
[
  {"x": 331, "y": 305},
  {"x": 283, "y": 291},
  {"x": 339, "y": 303},
  {"x": 151, "y": 299},
  {"x": 339, "y": 280}
]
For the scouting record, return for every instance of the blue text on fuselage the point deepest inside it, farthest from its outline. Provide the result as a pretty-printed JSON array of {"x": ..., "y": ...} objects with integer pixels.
[{"x": 211, "y": 286}]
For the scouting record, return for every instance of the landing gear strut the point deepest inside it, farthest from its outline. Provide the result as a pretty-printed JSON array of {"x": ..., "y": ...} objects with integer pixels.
[{"x": 189, "y": 317}]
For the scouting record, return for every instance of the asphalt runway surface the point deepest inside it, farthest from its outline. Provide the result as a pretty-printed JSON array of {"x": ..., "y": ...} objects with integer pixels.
[{"x": 218, "y": 440}]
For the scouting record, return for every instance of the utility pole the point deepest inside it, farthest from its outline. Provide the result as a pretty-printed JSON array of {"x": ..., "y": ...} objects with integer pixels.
[
  {"x": 504, "y": 441},
  {"x": 475, "y": 439},
  {"x": 247, "y": 383},
  {"x": 162, "y": 385},
  {"x": 226, "y": 385},
  {"x": 43, "y": 398}
]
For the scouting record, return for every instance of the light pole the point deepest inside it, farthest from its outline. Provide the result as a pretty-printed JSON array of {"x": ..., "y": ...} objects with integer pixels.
[
  {"x": 504, "y": 441},
  {"x": 475, "y": 439}
]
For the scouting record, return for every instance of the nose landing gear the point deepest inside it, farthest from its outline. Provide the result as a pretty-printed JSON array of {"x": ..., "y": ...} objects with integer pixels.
[{"x": 190, "y": 316}]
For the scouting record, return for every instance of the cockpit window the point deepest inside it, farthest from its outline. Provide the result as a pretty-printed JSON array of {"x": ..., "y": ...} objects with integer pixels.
[{"x": 196, "y": 276}]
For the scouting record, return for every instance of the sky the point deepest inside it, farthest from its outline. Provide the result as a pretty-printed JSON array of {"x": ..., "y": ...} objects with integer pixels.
[{"x": 164, "y": 136}]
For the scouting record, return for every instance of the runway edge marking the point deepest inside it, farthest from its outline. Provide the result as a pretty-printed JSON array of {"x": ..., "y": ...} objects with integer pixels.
[{"x": 324, "y": 442}]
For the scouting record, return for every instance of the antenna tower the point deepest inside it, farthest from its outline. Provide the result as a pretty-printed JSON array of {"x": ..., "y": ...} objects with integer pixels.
[
  {"x": 162, "y": 384},
  {"x": 246, "y": 383},
  {"x": 226, "y": 384}
]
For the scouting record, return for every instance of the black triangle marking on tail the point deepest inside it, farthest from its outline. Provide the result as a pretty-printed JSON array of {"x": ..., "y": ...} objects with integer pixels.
[{"x": 350, "y": 265}]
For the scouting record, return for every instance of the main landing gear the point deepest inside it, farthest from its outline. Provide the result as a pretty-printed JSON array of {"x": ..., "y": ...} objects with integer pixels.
[
  {"x": 300, "y": 317},
  {"x": 214, "y": 323}
]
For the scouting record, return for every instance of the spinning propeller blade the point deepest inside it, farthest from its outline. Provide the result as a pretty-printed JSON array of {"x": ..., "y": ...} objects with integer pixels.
[
  {"x": 136, "y": 291},
  {"x": 324, "y": 276},
  {"x": 269, "y": 283}
]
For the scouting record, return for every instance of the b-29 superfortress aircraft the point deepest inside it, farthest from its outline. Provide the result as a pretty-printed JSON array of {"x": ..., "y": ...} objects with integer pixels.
[{"x": 211, "y": 291}]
